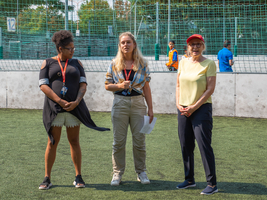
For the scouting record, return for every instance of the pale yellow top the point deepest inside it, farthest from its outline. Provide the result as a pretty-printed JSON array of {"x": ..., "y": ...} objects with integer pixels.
[{"x": 193, "y": 80}]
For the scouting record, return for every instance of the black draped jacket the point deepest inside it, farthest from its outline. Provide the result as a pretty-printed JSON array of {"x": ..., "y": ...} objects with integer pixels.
[{"x": 51, "y": 75}]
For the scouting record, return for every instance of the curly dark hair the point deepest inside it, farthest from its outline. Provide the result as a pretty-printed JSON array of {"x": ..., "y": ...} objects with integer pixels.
[{"x": 62, "y": 38}]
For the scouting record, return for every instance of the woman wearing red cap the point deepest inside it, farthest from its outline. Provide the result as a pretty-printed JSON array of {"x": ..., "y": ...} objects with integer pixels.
[{"x": 196, "y": 79}]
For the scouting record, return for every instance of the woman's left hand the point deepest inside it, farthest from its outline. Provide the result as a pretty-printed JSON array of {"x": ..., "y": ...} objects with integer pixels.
[
  {"x": 70, "y": 105},
  {"x": 151, "y": 115}
]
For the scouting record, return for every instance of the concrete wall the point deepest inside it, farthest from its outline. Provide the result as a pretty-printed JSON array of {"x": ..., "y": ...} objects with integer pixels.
[{"x": 241, "y": 95}]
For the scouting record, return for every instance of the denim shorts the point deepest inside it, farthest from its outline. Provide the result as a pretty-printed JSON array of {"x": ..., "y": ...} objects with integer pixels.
[{"x": 67, "y": 119}]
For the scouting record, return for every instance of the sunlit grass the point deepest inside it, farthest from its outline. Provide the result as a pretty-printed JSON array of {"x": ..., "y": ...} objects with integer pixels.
[{"x": 239, "y": 145}]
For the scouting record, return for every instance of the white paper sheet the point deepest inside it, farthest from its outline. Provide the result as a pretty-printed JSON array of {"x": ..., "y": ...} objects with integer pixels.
[{"x": 147, "y": 128}]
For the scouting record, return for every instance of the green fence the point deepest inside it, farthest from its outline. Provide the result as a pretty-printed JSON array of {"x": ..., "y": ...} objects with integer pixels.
[{"x": 26, "y": 28}]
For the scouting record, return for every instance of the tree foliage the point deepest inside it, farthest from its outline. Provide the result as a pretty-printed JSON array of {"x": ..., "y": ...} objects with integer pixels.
[
  {"x": 9, "y": 7},
  {"x": 34, "y": 20},
  {"x": 100, "y": 15},
  {"x": 122, "y": 8},
  {"x": 32, "y": 14}
]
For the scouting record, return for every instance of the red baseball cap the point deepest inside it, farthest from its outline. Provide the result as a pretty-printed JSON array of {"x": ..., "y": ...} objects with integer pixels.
[{"x": 195, "y": 36}]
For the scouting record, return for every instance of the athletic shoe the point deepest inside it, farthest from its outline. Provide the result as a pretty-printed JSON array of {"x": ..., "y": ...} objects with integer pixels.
[
  {"x": 142, "y": 177},
  {"x": 116, "y": 180},
  {"x": 46, "y": 184},
  {"x": 186, "y": 184},
  {"x": 209, "y": 190},
  {"x": 79, "y": 183}
]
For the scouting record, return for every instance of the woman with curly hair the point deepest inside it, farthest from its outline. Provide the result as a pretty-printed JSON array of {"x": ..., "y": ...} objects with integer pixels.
[
  {"x": 128, "y": 78},
  {"x": 63, "y": 81}
]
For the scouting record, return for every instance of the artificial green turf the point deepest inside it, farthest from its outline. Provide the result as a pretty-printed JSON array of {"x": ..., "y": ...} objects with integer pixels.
[{"x": 239, "y": 145}]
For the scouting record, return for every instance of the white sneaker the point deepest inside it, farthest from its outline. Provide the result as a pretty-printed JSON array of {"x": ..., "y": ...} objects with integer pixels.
[
  {"x": 142, "y": 177},
  {"x": 116, "y": 180}
]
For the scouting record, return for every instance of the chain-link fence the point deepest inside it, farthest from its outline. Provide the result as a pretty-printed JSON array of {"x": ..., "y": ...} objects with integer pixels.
[{"x": 26, "y": 28}]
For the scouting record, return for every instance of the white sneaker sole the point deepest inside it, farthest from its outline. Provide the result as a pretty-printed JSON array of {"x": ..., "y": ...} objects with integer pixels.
[
  {"x": 115, "y": 184},
  {"x": 78, "y": 186},
  {"x": 145, "y": 183},
  {"x": 187, "y": 186},
  {"x": 209, "y": 193},
  {"x": 45, "y": 188}
]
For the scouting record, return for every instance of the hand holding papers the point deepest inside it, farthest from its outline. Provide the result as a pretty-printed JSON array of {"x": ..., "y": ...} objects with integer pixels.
[{"x": 147, "y": 128}]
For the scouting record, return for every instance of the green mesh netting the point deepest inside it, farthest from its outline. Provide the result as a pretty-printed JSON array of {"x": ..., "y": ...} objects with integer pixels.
[{"x": 26, "y": 28}]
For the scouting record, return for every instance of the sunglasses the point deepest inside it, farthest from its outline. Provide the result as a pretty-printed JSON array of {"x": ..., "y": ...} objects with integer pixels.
[
  {"x": 70, "y": 49},
  {"x": 195, "y": 44}
]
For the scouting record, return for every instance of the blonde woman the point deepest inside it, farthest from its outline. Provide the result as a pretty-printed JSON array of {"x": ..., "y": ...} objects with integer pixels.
[{"x": 128, "y": 78}]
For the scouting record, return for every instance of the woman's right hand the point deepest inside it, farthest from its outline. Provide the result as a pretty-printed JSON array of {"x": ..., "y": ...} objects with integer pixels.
[
  {"x": 180, "y": 108},
  {"x": 183, "y": 111},
  {"x": 115, "y": 87},
  {"x": 53, "y": 96},
  {"x": 126, "y": 84},
  {"x": 62, "y": 103}
]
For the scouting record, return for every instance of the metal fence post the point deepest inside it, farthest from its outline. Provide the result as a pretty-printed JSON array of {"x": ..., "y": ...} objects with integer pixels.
[
  {"x": 157, "y": 32},
  {"x": 66, "y": 15},
  {"x": 169, "y": 24},
  {"x": 89, "y": 47},
  {"x": 235, "y": 48},
  {"x": 135, "y": 20},
  {"x": 108, "y": 46},
  {"x": 156, "y": 51},
  {"x": 1, "y": 46}
]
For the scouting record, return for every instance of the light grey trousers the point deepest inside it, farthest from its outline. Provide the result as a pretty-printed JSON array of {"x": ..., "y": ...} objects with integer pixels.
[{"x": 128, "y": 111}]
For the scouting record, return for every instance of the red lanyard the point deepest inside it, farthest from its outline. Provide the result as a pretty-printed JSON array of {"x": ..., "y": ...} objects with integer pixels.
[
  {"x": 127, "y": 76},
  {"x": 63, "y": 71}
]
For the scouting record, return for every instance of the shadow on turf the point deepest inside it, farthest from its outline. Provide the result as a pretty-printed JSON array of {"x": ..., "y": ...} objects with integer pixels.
[
  {"x": 242, "y": 188},
  {"x": 157, "y": 185}
]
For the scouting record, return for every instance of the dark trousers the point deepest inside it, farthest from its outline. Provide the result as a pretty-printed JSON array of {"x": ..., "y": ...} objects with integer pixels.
[{"x": 198, "y": 126}]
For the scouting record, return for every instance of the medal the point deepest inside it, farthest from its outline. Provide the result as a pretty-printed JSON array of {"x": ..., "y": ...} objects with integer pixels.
[{"x": 64, "y": 90}]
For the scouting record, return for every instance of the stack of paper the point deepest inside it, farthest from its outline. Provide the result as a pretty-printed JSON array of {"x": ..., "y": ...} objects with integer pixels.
[{"x": 147, "y": 128}]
